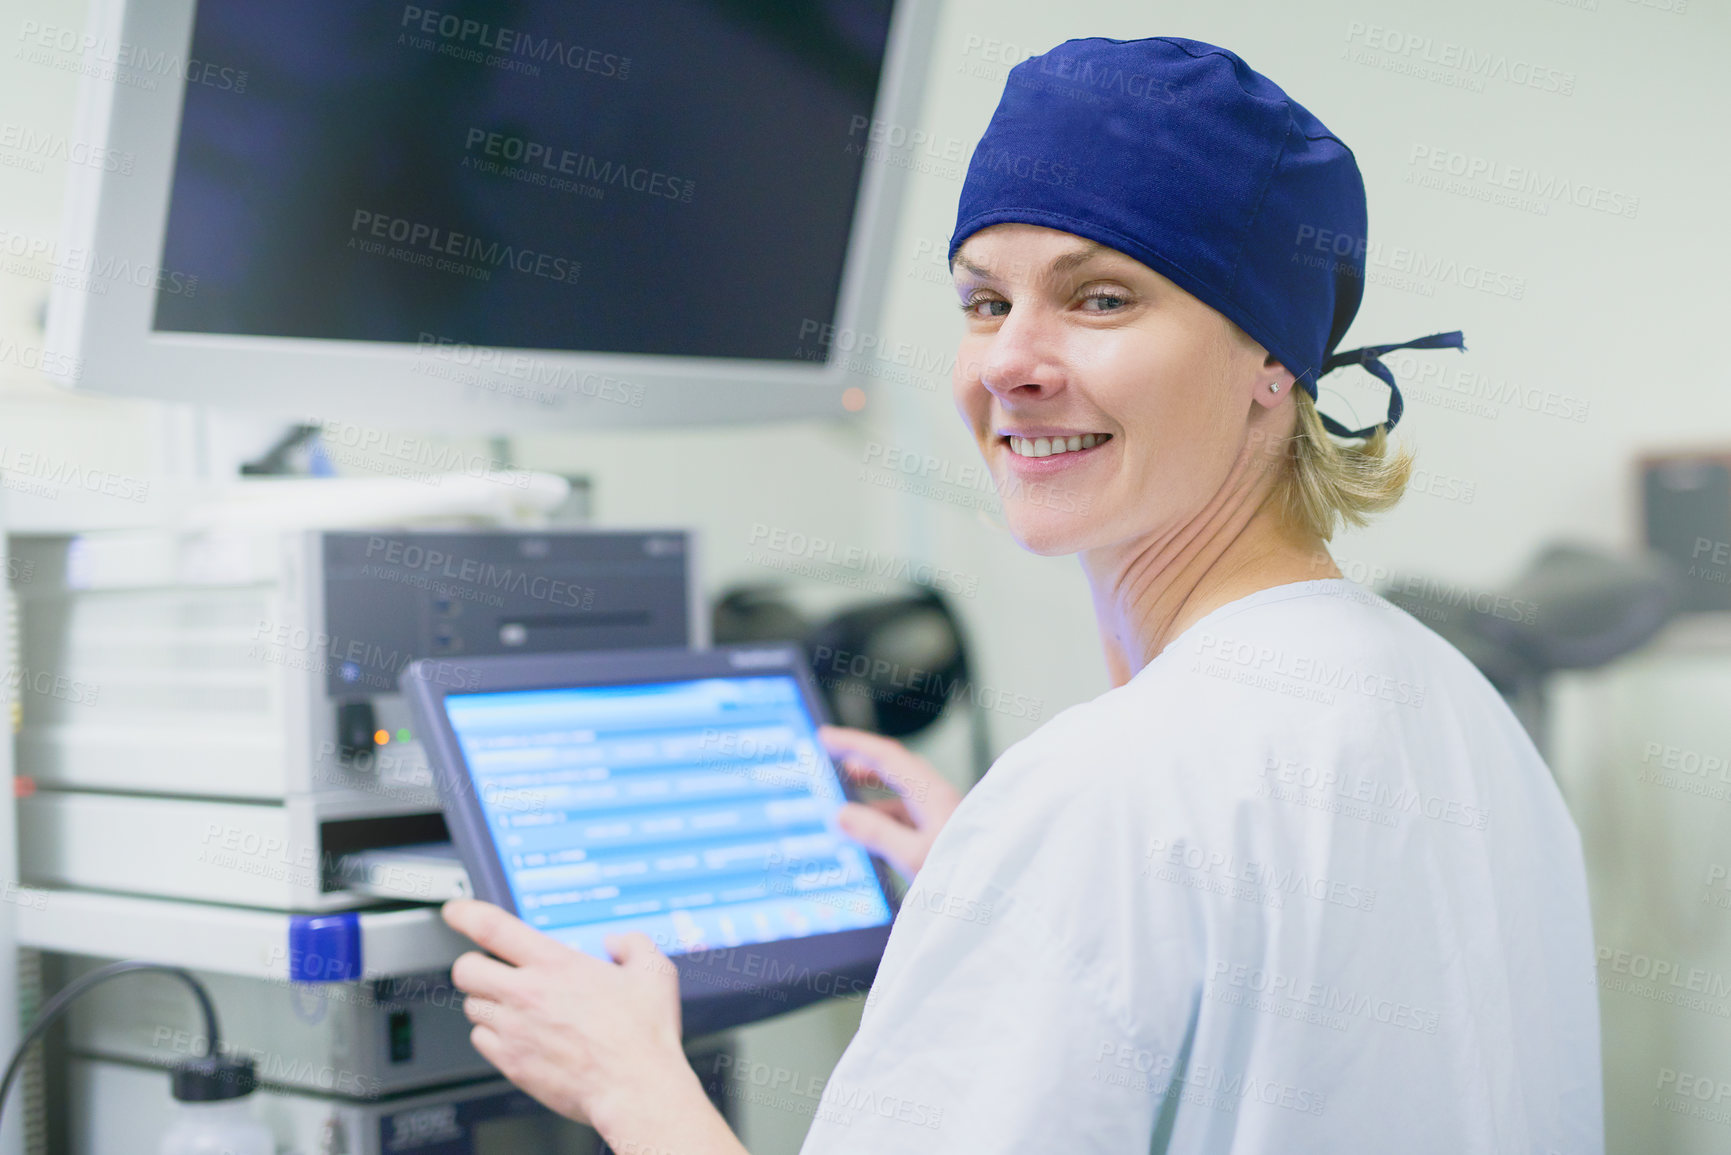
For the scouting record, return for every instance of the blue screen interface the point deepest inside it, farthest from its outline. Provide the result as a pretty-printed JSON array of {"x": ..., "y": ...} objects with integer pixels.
[{"x": 701, "y": 813}]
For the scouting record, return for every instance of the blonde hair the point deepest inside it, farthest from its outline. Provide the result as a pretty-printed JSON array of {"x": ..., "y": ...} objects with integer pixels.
[{"x": 1330, "y": 480}]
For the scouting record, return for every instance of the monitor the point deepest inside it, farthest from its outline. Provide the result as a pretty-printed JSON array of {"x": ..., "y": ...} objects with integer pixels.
[{"x": 485, "y": 217}]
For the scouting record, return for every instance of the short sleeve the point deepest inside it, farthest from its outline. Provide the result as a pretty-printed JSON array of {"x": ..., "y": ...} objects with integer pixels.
[
  {"x": 1232, "y": 907},
  {"x": 1006, "y": 1015}
]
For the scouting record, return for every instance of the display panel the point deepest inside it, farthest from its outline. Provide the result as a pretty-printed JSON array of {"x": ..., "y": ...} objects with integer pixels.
[
  {"x": 538, "y": 174},
  {"x": 338, "y": 211},
  {"x": 699, "y": 812}
]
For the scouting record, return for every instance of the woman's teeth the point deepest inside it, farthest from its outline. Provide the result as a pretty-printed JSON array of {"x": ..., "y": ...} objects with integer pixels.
[{"x": 1050, "y": 446}]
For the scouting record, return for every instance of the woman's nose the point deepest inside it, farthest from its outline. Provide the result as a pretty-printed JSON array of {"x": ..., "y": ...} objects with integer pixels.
[{"x": 1020, "y": 358}]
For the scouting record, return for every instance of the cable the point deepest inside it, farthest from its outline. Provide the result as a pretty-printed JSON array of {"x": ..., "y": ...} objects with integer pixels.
[{"x": 77, "y": 987}]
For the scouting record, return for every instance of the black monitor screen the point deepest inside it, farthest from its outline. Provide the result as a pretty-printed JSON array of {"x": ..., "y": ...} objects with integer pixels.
[{"x": 674, "y": 177}]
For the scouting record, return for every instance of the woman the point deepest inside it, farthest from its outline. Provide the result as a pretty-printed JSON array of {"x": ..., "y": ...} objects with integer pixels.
[{"x": 1299, "y": 882}]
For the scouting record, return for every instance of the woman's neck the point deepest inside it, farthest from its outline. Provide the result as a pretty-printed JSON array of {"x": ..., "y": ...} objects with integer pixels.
[{"x": 1149, "y": 590}]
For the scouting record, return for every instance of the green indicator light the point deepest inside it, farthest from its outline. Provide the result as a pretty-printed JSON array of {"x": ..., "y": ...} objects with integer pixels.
[{"x": 402, "y": 735}]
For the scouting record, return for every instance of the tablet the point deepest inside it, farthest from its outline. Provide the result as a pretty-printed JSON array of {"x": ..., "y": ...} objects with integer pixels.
[{"x": 679, "y": 793}]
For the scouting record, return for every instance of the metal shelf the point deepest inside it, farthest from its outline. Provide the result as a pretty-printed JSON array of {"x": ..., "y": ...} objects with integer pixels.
[{"x": 225, "y": 939}]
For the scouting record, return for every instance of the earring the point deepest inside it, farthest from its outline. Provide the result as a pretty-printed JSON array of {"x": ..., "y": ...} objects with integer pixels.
[{"x": 1274, "y": 386}]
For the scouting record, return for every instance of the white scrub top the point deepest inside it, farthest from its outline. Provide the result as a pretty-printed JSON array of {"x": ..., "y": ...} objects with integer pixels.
[{"x": 1303, "y": 884}]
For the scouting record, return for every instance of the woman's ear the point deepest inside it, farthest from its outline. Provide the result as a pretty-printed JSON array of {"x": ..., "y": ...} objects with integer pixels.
[{"x": 1274, "y": 383}]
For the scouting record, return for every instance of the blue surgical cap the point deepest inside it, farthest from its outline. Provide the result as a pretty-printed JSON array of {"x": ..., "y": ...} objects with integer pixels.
[{"x": 1179, "y": 154}]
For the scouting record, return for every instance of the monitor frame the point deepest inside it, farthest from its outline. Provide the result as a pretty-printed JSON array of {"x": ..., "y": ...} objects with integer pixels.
[
  {"x": 718, "y": 987},
  {"x": 116, "y": 220}
]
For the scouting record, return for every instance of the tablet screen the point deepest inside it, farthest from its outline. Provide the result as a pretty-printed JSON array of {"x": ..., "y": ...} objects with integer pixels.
[{"x": 700, "y": 812}]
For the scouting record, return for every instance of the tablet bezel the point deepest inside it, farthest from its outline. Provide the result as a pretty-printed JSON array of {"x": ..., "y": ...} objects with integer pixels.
[{"x": 720, "y": 987}]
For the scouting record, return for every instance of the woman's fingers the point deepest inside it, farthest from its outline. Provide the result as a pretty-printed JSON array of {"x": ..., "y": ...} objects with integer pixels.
[
  {"x": 904, "y": 831},
  {"x": 888, "y": 763},
  {"x": 475, "y": 974},
  {"x": 894, "y": 807},
  {"x": 883, "y": 755},
  {"x": 486, "y": 1040},
  {"x": 480, "y": 1010},
  {"x": 631, "y": 949},
  {"x": 499, "y": 932},
  {"x": 579, "y": 1033},
  {"x": 530, "y": 1070},
  {"x": 637, "y": 952},
  {"x": 902, "y": 845},
  {"x": 862, "y": 774}
]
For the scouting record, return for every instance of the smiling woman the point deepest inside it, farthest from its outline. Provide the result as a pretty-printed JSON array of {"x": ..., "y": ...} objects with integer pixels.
[
  {"x": 1323, "y": 481},
  {"x": 1232, "y": 907},
  {"x": 1299, "y": 883}
]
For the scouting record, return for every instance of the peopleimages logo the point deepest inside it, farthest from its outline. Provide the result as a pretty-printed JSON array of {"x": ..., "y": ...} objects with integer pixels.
[
  {"x": 1252, "y": 663},
  {"x": 542, "y": 162},
  {"x": 86, "y": 270},
  {"x": 482, "y": 574},
  {"x": 474, "y": 40},
  {"x": 1535, "y": 182},
  {"x": 1040, "y": 170},
  {"x": 1178, "y": 860},
  {"x": 370, "y": 227},
  {"x": 1301, "y": 778},
  {"x": 1670, "y": 972},
  {"x": 792, "y": 544},
  {"x": 1325, "y": 997},
  {"x": 35, "y": 146},
  {"x": 1448, "y": 61},
  {"x": 1123, "y": 1064},
  {"x": 827, "y": 337},
  {"x": 19, "y": 468},
  {"x": 1329, "y": 248},
  {"x": 1086, "y": 73},
  {"x": 482, "y": 366},
  {"x": 122, "y": 62}
]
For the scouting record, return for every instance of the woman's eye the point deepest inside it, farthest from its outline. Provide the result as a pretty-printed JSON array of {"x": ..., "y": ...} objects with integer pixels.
[
  {"x": 1105, "y": 302},
  {"x": 992, "y": 306}
]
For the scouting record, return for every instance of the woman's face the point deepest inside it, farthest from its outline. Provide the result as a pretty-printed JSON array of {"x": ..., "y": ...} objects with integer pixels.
[{"x": 1151, "y": 393}]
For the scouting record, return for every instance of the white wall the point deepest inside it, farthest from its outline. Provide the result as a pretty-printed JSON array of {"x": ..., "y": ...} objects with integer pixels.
[
  {"x": 1611, "y": 316},
  {"x": 1613, "y": 310},
  {"x": 1615, "y": 313}
]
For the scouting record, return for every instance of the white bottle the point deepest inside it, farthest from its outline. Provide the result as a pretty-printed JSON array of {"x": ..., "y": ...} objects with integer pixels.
[{"x": 215, "y": 1112}]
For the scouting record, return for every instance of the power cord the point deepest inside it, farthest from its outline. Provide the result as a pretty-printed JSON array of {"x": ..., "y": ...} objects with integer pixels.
[{"x": 65, "y": 997}]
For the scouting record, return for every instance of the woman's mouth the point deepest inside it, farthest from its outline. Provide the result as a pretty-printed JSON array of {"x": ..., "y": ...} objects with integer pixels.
[{"x": 1034, "y": 448}]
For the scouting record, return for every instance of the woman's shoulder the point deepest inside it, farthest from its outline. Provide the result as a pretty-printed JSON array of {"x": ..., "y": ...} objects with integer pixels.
[
  {"x": 1318, "y": 671},
  {"x": 1328, "y": 649}
]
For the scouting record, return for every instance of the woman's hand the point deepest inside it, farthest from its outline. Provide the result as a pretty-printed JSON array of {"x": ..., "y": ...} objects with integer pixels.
[
  {"x": 596, "y": 1041},
  {"x": 900, "y": 829}
]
